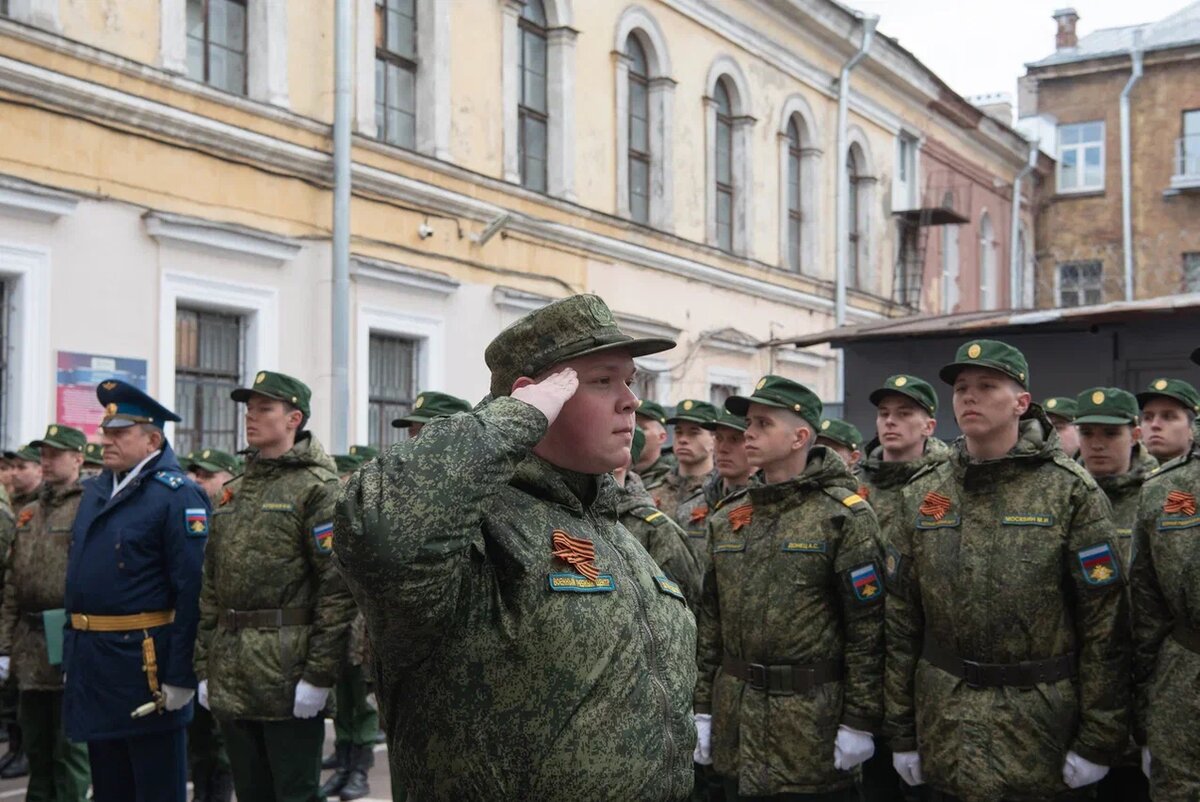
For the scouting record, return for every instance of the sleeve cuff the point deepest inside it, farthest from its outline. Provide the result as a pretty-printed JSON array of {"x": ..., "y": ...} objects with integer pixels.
[
  {"x": 319, "y": 679},
  {"x": 702, "y": 708},
  {"x": 1100, "y": 758},
  {"x": 905, "y": 744},
  {"x": 861, "y": 724}
]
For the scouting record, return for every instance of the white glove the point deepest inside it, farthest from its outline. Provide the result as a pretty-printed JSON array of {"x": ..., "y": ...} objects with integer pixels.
[
  {"x": 4, "y": 662},
  {"x": 202, "y": 694},
  {"x": 908, "y": 766},
  {"x": 550, "y": 394},
  {"x": 1146, "y": 761},
  {"x": 852, "y": 747},
  {"x": 175, "y": 697},
  {"x": 703, "y": 753},
  {"x": 1078, "y": 772},
  {"x": 310, "y": 700}
]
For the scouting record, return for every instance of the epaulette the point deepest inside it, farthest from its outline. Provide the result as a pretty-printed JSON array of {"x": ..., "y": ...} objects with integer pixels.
[
  {"x": 732, "y": 497},
  {"x": 171, "y": 479},
  {"x": 653, "y": 516},
  {"x": 1064, "y": 461},
  {"x": 323, "y": 473},
  {"x": 848, "y": 497},
  {"x": 932, "y": 466}
]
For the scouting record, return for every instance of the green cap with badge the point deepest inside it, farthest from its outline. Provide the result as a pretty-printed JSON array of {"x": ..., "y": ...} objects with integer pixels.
[
  {"x": 692, "y": 411},
  {"x": 652, "y": 410},
  {"x": 28, "y": 453},
  {"x": 1175, "y": 389},
  {"x": 728, "y": 420},
  {"x": 908, "y": 385},
  {"x": 64, "y": 438},
  {"x": 638, "y": 444},
  {"x": 573, "y": 327},
  {"x": 840, "y": 432},
  {"x": 992, "y": 354},
  {"x": 429, "y": 405},
  {"x": 364, "y": 452},
  {"x": 213, "y": 460},
  {"x": 347, "y": 463},
  {"x": 781, "y": 393},
  {"x": 279, "y": 386},
  {"x": 1110, "y": 405},
  {"x": 1062, "y": 406},
  {"x": 93, "y": 454}
]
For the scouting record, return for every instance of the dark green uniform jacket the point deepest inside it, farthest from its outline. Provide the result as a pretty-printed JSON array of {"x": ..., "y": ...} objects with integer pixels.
[
  {"x": 795, "y": 578},
  {"x": 880, "y": 482},
  {"x": 659, "y": 535},
  {"x": 37, "y": 580},
  {"x": 1166, "y": 626},
  {"x": 270, "y": 549},
  {"x": 502, "y": 672},
  {"x": 653, "y": 476},
  {"x": 1123, "y": 492},
  {"x": 999, "y": 562}
]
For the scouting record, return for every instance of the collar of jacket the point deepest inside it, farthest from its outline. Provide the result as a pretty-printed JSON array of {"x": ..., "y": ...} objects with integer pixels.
[
  {"x": 633, "y": 495},
  {"x": 824, "y": 469},
  {"x": 887, "y": 475},
  {"x": 1036, "y": 443},
  {"x": 55, "y": 496},
  {"x": 307, "y": 452},
  {"x": 578, "y": 492},
  {"x": 1140, "y": 466}
]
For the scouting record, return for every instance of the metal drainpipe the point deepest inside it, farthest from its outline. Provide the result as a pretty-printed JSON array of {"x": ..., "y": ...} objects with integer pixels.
[
  {"x": 1135, "y": 55},
  {"x": 843, "y": 215},
  {"x": 1014, "y": 256},
  {"x": 343, "y": 62}
]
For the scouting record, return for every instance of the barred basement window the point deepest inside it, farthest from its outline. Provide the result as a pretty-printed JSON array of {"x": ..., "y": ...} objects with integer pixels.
[
  {"x": 1080, "y": 284},
  {"x": 208, "y": 366}
]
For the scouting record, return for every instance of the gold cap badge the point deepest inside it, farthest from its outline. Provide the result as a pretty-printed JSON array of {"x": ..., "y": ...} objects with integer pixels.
[
  {"x": 761, "y": 384},
  {"x": 1097, "y": 398},
  {"x": 260, "y": 378},
  {"x": 1161, "y": 384},
  {"x": 111, "y": 409},
  {"x": 205, "y": 454},
  {"x": 688, "y": 405},
  {"x": 1052, "y": 403},
  {"x": 53, "y": 431},
  {"x": 900, "y": 381},
  {"x": 109, "y": 385},
  {"x": 420, "y": 402},
  {"x": 824, "y": 425},
  {"x": 974, "y": 351}
]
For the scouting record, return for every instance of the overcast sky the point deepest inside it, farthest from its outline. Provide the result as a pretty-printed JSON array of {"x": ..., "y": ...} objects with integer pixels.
[{"x": 978, "y": 47}]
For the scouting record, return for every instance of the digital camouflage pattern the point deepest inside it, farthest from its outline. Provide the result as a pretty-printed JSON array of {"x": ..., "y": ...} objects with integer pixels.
[
  {"x": 674, "y": 490},
  {"x": 269, "y": 548},
  {"x": 1123, "y": 492},
  {"x": 659, "y": 535},
  {"x": 993, "y": 569},
  {"x": 694, "y": 512},
  {"x": 503, "y": 673},
  {"x": 1166, "y": 569},
  {"x": 779, "y": 590},
  {"x": 880, "y": 482},
  {"x": 657, "y": 473}
]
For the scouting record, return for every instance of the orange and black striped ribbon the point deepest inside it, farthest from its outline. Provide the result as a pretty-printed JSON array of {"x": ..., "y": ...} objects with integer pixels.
[
  {"x": 741, "y": 516},
  {"x": 1180, "y": 502},
  {"x": 578, "y": 553},
  {"x": 935, "y": 506}
]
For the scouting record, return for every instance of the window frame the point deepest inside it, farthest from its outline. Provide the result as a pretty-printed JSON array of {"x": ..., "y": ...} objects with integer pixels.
[
  {"x": 1079, "y": 289},
  {"x": 1081, "y": 148},
  {"x": 635, "y": 156},
  {"x": 720, "y": 188},
  {"x": 853, "y": 232},
  {"x": 1191, "y": 261},
  {"x": 193, "y": 425},
  {"x": 206, "y": 43},
  {"x": 387, "y": 434},
  {"x": 392, "y": 58},
  {"x": 795, "y": 211},
  {"x": 527, "y": 27}
]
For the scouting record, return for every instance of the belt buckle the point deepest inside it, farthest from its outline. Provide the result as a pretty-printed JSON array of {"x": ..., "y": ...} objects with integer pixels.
[
  {"x": 758, "y": 676},
  {"x": 782, "y": 680},
  {"x": 972, "y": 674},
  {"x": 83, "y": 619}
]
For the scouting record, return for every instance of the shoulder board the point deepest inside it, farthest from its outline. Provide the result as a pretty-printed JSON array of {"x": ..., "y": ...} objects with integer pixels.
[
  {"x": 653, "y": 516},
  {"x": 322, "y": 473},
  {"x": 849, "y": 498},
  {"x": 1170, "y": 465},
  {"x": 1071, "y": 466},
  {"x": 171, "y": 479},
  {"x": 925, "y": 470},
  {"x": 732, "y": 497}
]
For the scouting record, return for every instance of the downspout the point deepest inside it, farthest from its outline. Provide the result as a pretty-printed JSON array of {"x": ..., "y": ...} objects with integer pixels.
[
  {"x": 340, "y": 317},
  {"x": 843, "y": 214},
  {"x": 1135, "y": 55},
  {"x": 1015, "y": 295}
]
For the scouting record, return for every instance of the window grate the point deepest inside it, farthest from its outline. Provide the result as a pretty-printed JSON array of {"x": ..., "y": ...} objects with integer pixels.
[
  {"x": 392, "y": 386},
  {"x": 208, "y": 362}
]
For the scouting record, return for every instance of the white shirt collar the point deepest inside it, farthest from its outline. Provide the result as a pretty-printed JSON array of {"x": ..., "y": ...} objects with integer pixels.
[{"x": 118, "y": 486}]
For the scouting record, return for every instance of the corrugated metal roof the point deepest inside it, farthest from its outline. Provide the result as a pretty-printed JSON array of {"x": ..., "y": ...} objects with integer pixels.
[
  {"x": 1178, "y": 30},
  {"x": 1003, "y": 320}
]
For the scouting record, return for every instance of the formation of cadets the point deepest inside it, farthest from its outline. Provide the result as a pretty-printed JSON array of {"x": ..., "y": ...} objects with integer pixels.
[{"x": 537, "y": 599}]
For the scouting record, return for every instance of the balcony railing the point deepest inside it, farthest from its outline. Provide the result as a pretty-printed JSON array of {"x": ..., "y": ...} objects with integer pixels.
[{"x": 1187, "y": 163}]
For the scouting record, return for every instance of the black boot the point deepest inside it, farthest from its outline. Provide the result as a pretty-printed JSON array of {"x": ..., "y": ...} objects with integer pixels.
[
  {"x": 337, "y": 781},
  {"x": 220, "y": 785},
  {"x": 333, "y": 760},
  {"x": 17, "y": 767},
  {"x": 358, "y": 784}
]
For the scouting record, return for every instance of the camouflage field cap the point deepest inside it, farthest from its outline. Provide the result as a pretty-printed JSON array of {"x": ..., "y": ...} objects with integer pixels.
[
  {"x": 566, "y": 329},
  {"x": 64, "y": 438},
  {"x": 431, "y": 405},
  {"x": 841, "y": 432},
  {"x": 1062, "y": 406},
  {"x": 988, "y": 354},
  {"x": 347, "y": 463},
  {"x": 781, "y": 393},
  {"x": 1176, "y": 389},
  {"x": 27, "y": 453},
  {"x": 908, "y": 385},
  {"x": 691, "y": 410},
  {"x": 1110, "y": 405},
  {"x": 93, "y": 454},
  {"x": 728, "y": 420},
  {"x": 364, "y": 452},
  {"x": 638, "y": 445},
  {"x": 279, "y": 386},
  {"x": 652, "y": 410},
  {"x": 213, "y": 460}
]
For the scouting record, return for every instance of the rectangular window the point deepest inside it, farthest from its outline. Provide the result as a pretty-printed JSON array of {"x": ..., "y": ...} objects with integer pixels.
[
  {"x": 1081, "y": 157},
  {"x": 533, "y": 109},
  {"x": 639, "y": 148},
  {"x": 216, "y": 43},
  {"x": 717, "y": 393},
  {"x": 393, "y": 372},
  {"x": 905, "y": 195},
  {"x": 208, "y": 366},
  {"x": 1189, "y": 145},
  {"x": 1080, "y": 284},
  {"x": 645, "y": 384},
  {"x": 396, "y": 72},
  {"x": 1191, "y": 272}
]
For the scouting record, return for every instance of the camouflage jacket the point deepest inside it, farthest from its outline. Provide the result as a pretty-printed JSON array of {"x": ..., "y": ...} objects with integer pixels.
[
  {"x": 8, "y": 532},
  {"x": 659, "y": 535},
  {"x": 269, "y": 548},
  {"x": 676, "y": 491},
  {"x": 999, "y": 562},
  {"x": 654, "y": 476},
  {"x": 794, "y": 577},
  {"x": 36, "y": 580},
  {"x": 1123, "y": 492},
  {"x": 502, "y": 672},
  {"x": 693, "y": 514},
  {"x": 880, "y": 482},
  {"x": 1166, "y": 568}
]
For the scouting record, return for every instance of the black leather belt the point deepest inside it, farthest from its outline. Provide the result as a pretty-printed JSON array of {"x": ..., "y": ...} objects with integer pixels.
[
  {"x": 265, "y": 619},
  {"x": 1024, "y": 674},
  {"x": 786, "y": 678}
]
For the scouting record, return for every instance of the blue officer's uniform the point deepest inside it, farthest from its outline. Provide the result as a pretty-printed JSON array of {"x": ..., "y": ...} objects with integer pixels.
[{"x": 136, "y": 559}]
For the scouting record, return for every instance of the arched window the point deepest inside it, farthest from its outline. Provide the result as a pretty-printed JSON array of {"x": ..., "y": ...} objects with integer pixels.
[
  {"x": 533, "y": 110},
  {"x": 723, "y": 189},
  {"x": 853, "y": 232},
  {"x": 639, "y": 130},
  {"x": 988, "y": 290},
  {"x": 795, "y": 217}
]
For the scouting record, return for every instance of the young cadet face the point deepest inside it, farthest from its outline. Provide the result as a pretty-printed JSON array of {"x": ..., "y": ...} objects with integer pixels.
[
  {"x": 774, "y": 435},
  {"x": 6, "y": 469},
  {"x": 730, "y": 453},
  {"x": 901, "y": 424},
  {"x": 60, "y": 467},
  {"x": 693, "y": 443},
  {"x": 849, "y": 455},
  {"x": 987, "y": 403},
  {"x": 1166, "y": 427},
  {"x": 656, "y": 435},
  {"x": 593, "y": 432},
  {"x": 270, "y": 421},
  {"x": 1107, "y": 449},
  {"x": 1068, "y": 435},
  {"x": 211, "y": 483},
  {"x": 26, "y": 476}
]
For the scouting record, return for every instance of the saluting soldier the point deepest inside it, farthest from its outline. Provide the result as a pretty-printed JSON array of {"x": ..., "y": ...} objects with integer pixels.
[
  {"x": 133, "y": 583},
  {"x": 526, "y": 646},
  {"x": 275, "y": 614},
  {"x": 1062, "y": 411},
  {"x": 842, "y": 438},
  {"x": 1007, "y": 635}
]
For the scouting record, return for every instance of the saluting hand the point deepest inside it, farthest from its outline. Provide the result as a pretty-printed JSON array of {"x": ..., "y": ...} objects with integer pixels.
[{"x": 550, "y": 394}]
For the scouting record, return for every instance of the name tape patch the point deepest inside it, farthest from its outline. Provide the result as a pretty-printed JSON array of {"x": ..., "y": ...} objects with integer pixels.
[
  {"x": 1027, "y": 519},
  {"x": 669, "y": 587},
  {"x": 723, "y": 548},
  {"x": 578, "y": 583},
  {"x": 811, "y": 546},
  {"x": 947, "y": 522}
]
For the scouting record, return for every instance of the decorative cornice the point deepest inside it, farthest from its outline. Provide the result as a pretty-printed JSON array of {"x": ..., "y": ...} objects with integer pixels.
[
  {"x": 32, "y": 202},
  {"x": 205, "y": 235},
  {"x": 403, "y": 276}
]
